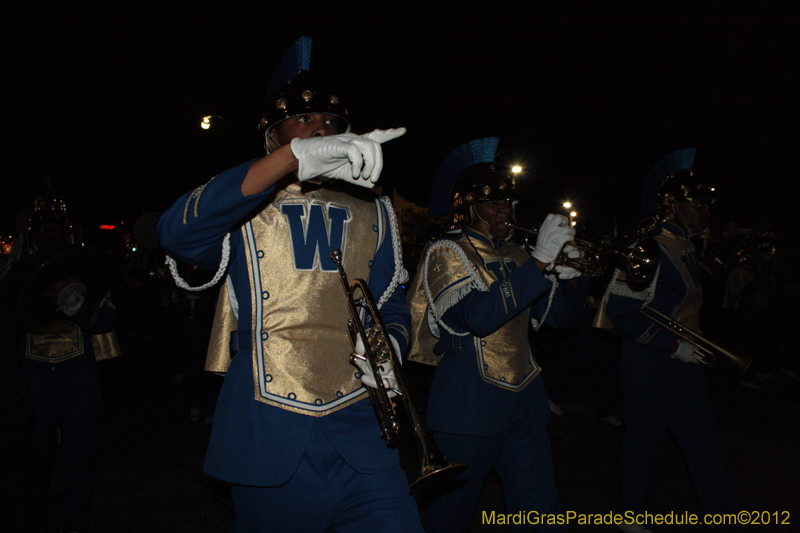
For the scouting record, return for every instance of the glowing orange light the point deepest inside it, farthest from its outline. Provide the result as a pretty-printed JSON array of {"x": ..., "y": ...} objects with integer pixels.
[{"x": 107, "y": 226}]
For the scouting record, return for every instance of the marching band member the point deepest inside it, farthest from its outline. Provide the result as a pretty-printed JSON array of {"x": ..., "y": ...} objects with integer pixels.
[
  {"x": 60, "y": 349},
  {"x": 472, "y": 300},
  {"x": 291, "y": 431},
  {"x": 662, "y": 384}
]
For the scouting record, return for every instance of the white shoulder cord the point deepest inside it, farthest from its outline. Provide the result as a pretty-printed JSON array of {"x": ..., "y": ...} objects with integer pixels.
[
  {"x": 476, "y": 282},
  {"x": 538, "y": 323},
  {"x": 400, "y": 273},
  {"x": 223, "y": 265}
]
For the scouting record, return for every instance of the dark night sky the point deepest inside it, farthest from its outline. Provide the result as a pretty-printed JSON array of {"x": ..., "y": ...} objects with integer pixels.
[{"x": 105, "y": 98}]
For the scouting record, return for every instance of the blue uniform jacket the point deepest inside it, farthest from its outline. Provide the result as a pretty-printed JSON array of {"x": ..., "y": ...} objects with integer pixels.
[
  {"x": 75, "y": 381},
  {"x": 645, "y": 357},
  {"x": 460, "y": 400},
  {"x": 254, "y": 443}
]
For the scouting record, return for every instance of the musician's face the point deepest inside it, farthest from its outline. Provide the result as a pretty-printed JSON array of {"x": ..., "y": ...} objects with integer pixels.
[
  {"x": 305, "y": 127},
  {"x": 696, "y": 216},
  {"x": 496, "y": 214}
]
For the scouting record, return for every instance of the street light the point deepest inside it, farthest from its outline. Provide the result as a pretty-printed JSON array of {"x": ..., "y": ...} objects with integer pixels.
[
  {"x": 516, "y": 169},
  {"x": 567, "y": 205},
  {"x": 206, "y": 122}
]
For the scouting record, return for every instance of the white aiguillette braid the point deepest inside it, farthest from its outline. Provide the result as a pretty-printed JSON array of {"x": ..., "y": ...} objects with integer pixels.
[
  {"x": 400, "y": 273},
  {"x": 223, "y": 265},
  {"x": 453, "y": 296},
  {"x": 538, "y": 323}
]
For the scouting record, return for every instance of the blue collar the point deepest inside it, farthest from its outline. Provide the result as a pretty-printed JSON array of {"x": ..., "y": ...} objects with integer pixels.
[
  {"x": 674, "y": 228},
  {"x": 475, "y": 234}
]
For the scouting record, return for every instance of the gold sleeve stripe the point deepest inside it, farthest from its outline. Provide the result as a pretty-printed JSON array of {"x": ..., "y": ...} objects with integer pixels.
[
  {"x": 199, "y": 191},
  {"x": 195, "y": 196},
  {"x": 400, "y": 329}
]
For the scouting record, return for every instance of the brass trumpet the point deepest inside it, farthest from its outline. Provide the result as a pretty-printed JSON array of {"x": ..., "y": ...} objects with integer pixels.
[
  {"x": 640, "y": 264},
  {"x": 706, "y": 351},
  {"x": 434, "y": 466}
]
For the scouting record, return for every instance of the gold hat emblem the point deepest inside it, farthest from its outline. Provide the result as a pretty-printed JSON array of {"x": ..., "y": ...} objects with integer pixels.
[
  {"x": 486, "y": 189},
  {"x": 281, "y": 104},
  {"x": 307, "y": 95}
]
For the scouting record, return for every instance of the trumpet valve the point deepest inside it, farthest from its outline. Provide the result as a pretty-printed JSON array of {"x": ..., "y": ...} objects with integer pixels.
[
  {"x": 383, "y": 354},
  {"x": 356, "y": 357}
]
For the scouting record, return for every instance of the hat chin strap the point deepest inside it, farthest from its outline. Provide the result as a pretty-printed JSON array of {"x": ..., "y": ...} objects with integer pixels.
[
  {"x": 678, "y": 218},
  {"x": 482, "y": 226},
  {"x": 271, "y": 142}
]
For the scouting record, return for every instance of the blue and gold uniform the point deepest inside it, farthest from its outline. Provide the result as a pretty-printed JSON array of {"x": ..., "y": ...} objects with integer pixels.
[
  {"x": 662, "y": 390},
  {"x": 293, "y": 430},
  {"x": 64, "y": 328},
  {"x": 472, "y": 303},
  {"x": 60, "y": 368},
  {"x": 281, "y": 334}
]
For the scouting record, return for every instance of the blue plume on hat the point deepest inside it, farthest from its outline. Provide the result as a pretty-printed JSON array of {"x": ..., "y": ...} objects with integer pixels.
[
  {"x": 468, "y": 154},
  {"x": 678, "y": 160},
  {"x": 295, "y": 59}
]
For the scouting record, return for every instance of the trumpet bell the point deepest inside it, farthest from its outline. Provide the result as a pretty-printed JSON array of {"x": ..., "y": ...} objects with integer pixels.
[
  {"x": 436, "y": 473},
  {"x": 643, "y": 261}
]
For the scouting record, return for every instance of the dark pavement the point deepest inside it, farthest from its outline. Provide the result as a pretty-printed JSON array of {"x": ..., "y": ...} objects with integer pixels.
[{"x": 149, "y": 470}]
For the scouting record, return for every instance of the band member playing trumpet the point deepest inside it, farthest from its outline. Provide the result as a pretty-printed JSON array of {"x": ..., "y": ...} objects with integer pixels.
[
  {"x": 662, "y": 383},
  {"x": 472, "y": 301},
  {"x": 294, "y": 432}
]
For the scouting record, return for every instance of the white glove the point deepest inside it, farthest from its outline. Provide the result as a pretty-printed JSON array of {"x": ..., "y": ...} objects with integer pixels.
[
  {"x": 347, "y": 156},
  {"x": 685, "y": 352},
  {"x": 565, "y": 272},
  {"x": 554, "y": 232},
  {"x": 385, "y": 369},
  {"x": 71, "y": 298}
]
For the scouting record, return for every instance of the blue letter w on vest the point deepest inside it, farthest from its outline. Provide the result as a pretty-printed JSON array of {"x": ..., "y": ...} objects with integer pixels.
[{"x": 316, "y": 229}]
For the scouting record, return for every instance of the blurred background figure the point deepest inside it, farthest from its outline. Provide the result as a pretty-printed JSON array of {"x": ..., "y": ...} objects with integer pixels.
[{"x": 58, "y": 291}]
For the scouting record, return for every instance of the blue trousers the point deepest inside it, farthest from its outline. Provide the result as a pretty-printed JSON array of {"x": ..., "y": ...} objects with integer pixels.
[
  {"x": 66, "y": 397},
  {"x": 685, "y": 410},
  {"x": 521, "y": 456},
  {"x": 326, "y": 495}
]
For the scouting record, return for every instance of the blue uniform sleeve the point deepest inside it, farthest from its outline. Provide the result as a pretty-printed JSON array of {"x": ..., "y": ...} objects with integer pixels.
[
  {"x": 394, "y": 312},
  {"x": 96, "y": 319},
  {"x": 625, "y": 312},
  {"x": 567, "y": 307},
  {"x": 481, "y": 313},
  {"x": 192, "y": 229}
]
